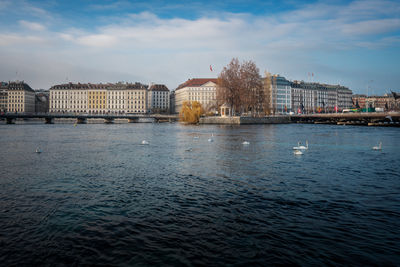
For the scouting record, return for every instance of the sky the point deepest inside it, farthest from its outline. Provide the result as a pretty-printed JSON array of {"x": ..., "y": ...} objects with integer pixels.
[{"x": 352, "y": 43}]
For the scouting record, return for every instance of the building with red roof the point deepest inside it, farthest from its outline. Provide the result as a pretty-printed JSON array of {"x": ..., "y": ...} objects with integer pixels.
[{"x": 202, "y": 90}]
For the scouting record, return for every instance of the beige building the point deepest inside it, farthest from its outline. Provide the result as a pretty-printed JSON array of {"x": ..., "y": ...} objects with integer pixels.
[
  {"x": 119, "y": 98},
  {"x": 20, "y": 98},
  {"x": 203, "y": 90},
  {"x": 386, "y": 102}
]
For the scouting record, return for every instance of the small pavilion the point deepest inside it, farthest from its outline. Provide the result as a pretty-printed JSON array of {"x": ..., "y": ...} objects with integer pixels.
[{"x": 225, "y": 110}]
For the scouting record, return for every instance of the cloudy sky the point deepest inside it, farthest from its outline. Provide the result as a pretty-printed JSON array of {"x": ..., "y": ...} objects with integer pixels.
[{"x": 353, "y": 43}]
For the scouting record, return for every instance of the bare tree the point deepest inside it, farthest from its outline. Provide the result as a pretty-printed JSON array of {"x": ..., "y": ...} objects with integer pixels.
[
  {"x": 251, "y": 87},
  {"x": 228, "y": 86},
  {"x": 240, "y": 86}
]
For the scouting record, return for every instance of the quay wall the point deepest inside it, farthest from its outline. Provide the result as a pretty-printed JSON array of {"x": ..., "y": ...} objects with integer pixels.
[{"x": 245, "y": 120}]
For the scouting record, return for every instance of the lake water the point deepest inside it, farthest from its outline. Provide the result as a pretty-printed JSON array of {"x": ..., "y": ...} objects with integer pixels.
[{"x": 95, "y": 195}]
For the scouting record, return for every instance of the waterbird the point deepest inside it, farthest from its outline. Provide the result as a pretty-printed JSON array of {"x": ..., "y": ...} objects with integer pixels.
[
  {"x": 144, "y": 142},
  {"x": 211, "y": 139},
  {"x": 304, "y": 147},
  {"x": 246, "y": 143},
  {"x": 189, "y": 149},
  {"x": 297, "y": 147},
  {"x": 38, "y": 150},
  {"x": 298, "y": 152},
  {"x": 378, "y": 147}
]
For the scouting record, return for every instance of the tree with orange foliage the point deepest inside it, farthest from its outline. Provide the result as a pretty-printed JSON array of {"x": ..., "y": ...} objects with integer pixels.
[{"x": 191, "y": 112}]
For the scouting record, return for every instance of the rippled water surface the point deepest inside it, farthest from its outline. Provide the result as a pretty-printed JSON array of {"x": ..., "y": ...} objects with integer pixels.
[{"x": 95, "y": 195}]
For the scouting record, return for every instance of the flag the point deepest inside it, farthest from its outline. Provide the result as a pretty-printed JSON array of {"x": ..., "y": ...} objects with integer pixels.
[
  {"x": 211, "y": 68},
  {"x": 336, "y": 108}
]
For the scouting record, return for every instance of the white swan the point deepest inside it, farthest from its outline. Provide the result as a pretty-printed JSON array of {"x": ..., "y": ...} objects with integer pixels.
[
  {"x": 304, "y": 147},
  {"x": 246, "y": 143},
  {"x": 211, "y": 139},
  {"x": 298, "y": 152},
  {"x": 38, "y": 150},
  {"x": 297, "y": 147},
  {"x": 144, "y": 142},
  {"x": 378, "y": 147},
  {"x": 189, "y": 149}
]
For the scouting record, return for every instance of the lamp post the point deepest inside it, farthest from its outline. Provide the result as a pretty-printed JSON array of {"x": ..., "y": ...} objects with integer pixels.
[{"x": 366, "y": 100}]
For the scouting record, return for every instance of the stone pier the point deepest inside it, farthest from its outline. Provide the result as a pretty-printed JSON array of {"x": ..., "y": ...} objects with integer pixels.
[{"x": 236, "y": 120}]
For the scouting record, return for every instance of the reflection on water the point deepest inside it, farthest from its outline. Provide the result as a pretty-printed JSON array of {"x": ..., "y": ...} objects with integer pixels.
[{"x": 96, "y": 195}]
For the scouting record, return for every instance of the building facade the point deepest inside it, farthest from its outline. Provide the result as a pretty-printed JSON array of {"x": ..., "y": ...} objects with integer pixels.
[
  {"x": 20, "y": 98},
  {"x": 119, "y": 98},
  {"x": 41, "y": 101},
  {"x": 172, "y": 102},
  {"x": 319, "y": 98},
  {"x": 158, "y": 98},
  {"x": 3, "y": 97},
  {"x": 136, "y": 98},
  {"x": 386, "y": 102},
  {"x": 202, "y": 90},
  {"x": 281, "y": 95}
]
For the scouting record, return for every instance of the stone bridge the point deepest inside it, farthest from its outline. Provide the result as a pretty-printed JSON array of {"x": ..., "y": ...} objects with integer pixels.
[{"x": 82, "y": 118}]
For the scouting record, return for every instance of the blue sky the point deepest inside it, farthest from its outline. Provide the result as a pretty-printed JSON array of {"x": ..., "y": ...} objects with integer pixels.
[{"x": 353, "y": 43}]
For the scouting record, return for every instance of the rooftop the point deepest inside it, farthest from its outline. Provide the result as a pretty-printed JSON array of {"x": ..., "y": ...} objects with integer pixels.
[
  {"x": 100, "y": 86},
  {"x": 196, "y": 82},
  {"x": 158, "y": 87}
]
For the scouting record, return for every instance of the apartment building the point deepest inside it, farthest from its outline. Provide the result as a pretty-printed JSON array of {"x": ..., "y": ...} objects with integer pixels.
[
  {"x": 119, "y": 98},
  {"x": 20, "y": 97},
  {"x": 158, "y": 97},
  {"x": 203, "y": 90},
  {"x": 281, "y": 95},
  {"x": 316, "y": 97},
  {"x": 3, "y": 97}
]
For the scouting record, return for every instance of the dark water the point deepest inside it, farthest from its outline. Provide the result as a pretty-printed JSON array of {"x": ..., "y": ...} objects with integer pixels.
[{"x": 97, "y": 196}]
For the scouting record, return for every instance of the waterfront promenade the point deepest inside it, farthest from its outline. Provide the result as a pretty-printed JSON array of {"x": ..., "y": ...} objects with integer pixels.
[{"x": 367, "y": 119}]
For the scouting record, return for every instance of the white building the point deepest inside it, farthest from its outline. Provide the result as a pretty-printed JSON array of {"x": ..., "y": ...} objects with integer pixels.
[
  {"x": 69, "y": 98},
  {"x": 20, "y": 97},
  {"x": 90, "y": 98},
  {"x": 202, "y": 90},
  {"x": 126, "y": 98},
  {"x": 136, "y": 98},
  {"x": 316, "y": 97},
  {"x": 158, "y": 98}
]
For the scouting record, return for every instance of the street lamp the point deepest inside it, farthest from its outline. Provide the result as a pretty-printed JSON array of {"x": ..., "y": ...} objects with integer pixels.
[{"x": 366, "y": 100}]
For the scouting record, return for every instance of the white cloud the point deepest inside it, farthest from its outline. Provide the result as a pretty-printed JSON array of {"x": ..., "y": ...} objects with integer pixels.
[
  {"x": 15, "y": 39},
  {"x": 32, "y": 25},
  {"x": 97, "y": 40},
  {"x": 147, "y": 47},
  {"x": 369, "y": 27}
]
